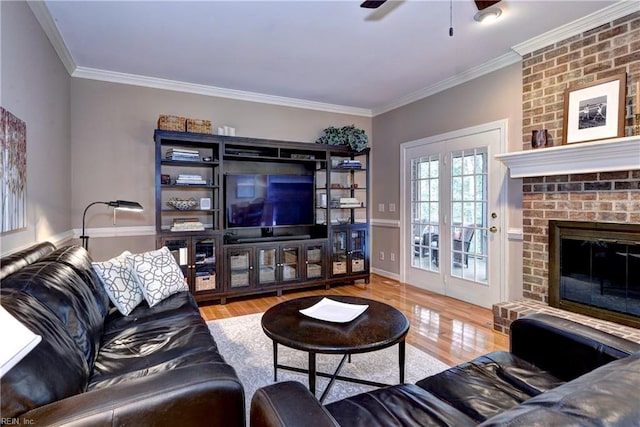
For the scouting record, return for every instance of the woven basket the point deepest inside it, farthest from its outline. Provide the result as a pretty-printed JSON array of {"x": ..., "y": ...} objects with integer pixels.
[
  {"x": 199, "y": 126},
  {"x": 175, "y": 123}
]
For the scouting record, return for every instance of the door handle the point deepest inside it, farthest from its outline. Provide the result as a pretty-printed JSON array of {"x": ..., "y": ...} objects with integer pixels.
[{"x": 493, "y": 229}]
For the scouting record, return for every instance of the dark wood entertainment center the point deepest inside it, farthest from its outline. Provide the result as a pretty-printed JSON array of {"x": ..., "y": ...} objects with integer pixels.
[{"x": 222, "y": 261}]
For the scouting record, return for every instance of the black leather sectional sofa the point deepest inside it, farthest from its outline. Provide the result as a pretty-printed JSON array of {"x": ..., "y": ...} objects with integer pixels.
[
  {"x": 557, "y": 373},
  {"x": 159, "y": 366}
]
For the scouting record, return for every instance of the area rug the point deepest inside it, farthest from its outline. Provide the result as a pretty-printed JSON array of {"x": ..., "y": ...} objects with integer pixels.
[{"x": 244, "y": 346}]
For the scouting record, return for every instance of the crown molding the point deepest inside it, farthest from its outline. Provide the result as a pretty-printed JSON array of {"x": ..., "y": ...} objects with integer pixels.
[
  {"x": 589, "y": 22},
  {"x": 465, "y": 76},
  {"x": 174, "y": 85},
  {"x": 43, "y": 15}
]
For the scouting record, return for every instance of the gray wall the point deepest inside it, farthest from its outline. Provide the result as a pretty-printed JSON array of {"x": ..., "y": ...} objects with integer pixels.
[
  {"x": 113, "y": 151},
  {"x": 492, "y": 97},
  {"x": 35, "y": 88}
]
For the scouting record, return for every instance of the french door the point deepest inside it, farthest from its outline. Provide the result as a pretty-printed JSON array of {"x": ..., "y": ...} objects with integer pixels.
[{"x": 452, "y": 214}]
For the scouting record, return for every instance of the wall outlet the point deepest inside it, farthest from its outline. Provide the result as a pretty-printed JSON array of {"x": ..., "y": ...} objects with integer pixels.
[
  {"x": 380, "y": 207},
  {"x": 392, "y": 207},
  {"x": 381, "y": 256},
  {"x": 392, "y": 256}
]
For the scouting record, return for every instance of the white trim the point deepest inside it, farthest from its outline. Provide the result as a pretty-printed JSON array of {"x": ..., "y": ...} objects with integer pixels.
[
  {"x": 618, "y": 154},
  {"x": 174, "y": 85},
  {"x": 589, "y": 22},
  {"x": 515, "y": 234},
  {"x": 388, "y": 223},
  {"x": 145, "y": 230},
  {"x": 385, "y": 273},
  {"x": 465, "y": 76},
  {"x": 48, "y": 24}
]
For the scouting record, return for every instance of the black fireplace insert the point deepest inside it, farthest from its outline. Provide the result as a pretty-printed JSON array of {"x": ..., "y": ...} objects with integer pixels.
[{"x": 594, "y": 269}]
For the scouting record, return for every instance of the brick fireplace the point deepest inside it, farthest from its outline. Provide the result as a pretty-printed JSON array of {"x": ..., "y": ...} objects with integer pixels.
[{"x": 599, "y": 195}]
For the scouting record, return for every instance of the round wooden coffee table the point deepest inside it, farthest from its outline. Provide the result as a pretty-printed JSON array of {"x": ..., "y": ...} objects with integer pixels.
[{"x": 380, "y": 326}]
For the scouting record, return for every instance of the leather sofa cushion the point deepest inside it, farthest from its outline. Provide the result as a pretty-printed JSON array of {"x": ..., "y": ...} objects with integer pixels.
[
  {"x": 53, "y": 370},
  {"x": 79, "y": 259},
  {"x": 607, "y": 396},
  {"x": 401, "y": 405},
  {"x": 489, "y": 385},
  {"x": 63, "y": 291},
  {"x": 167, "y": 336}
]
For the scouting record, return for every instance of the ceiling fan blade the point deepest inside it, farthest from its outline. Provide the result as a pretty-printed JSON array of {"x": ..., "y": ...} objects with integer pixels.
[
  {"x": 480, "y": 4},
  {"x": 372, "y": 4}
]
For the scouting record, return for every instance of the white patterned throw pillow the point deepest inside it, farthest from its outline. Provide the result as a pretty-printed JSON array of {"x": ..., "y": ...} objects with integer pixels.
[
  {"x": 120, "y": 283},
  {"x": 158, "y": 274}
]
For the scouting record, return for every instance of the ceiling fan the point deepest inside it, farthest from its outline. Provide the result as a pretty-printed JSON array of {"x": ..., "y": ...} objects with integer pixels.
[
  {"x": 480, "y": 4},
  {"x": 374, "y": 4}
]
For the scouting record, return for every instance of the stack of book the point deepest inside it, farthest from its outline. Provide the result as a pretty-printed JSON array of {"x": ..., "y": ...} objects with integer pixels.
[
  {"x": 187, "y": 224},
  {"x": 350, "y": 164},
  {"x": 186, "y": 179},
  {"x": 183, "y": 154}
]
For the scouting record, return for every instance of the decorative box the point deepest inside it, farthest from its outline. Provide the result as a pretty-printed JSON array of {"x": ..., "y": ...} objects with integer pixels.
[
  {"x": 357, "y": 265},
  {"x": 199, "y": 126},
  {"x": 175, "y": 123},
  {"x": 239, "y": 279},
  {"x": 313, "y": 255},
  {"x": 205, "y": 283},
  {"x": 339, "y": 267},
  {"x": 314, "y": 270}
]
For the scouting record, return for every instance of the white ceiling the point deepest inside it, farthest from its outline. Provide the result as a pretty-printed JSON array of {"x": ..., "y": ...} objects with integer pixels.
[{"x": 325, "y": 52}]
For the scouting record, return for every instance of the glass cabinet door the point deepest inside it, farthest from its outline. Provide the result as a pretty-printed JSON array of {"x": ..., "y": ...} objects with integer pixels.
[
  {"x": 240, "y": 268},
  {"x": 180, "y": 250},
  {"x": 289, "y": 263},
  {"x": 314, "y": 264},
  {"x": 339, "y": 259},
  {"x": 267, "y": 265},
  {"x": 357, "y": 245},
  {"x": 205, "y": 264}
]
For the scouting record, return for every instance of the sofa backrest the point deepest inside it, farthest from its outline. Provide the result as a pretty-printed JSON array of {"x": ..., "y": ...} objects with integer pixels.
[
  {"x": 607, "y": 396},
  {"x": 63, "y": 282},
  {"x": 53, "y": 370},
  {"x": 14, "y": 262},
  {"x": 565, "y": 348}
]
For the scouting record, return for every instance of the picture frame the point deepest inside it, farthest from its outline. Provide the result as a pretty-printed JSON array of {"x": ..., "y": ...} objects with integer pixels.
[{"x": 594, "y": 111}]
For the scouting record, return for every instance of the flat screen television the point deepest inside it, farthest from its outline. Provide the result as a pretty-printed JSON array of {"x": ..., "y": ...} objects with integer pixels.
[{"x": 255, "y": 200}]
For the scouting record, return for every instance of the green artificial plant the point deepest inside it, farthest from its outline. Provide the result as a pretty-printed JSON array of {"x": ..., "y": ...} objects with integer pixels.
[{"x": 351, "y": 136}]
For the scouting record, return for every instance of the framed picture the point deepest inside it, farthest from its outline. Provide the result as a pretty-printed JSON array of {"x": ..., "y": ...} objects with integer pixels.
[{"x": 594, "y": 110}]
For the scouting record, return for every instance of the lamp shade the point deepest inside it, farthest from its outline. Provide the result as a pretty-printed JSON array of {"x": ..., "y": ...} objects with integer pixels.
[
  {"x": 17, "y": 341},
  {"x": 127, "y": 205}
]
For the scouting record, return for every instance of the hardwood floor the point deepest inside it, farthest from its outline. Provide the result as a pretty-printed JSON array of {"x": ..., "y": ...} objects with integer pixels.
[{"x": 448, "y": 329}]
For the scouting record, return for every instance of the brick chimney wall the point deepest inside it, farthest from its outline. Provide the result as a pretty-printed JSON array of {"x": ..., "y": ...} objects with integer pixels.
[{"x": 604, "y": 51}]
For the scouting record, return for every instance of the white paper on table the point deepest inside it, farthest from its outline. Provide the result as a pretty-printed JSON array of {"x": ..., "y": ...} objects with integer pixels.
[{"x": 334, "y": 311}]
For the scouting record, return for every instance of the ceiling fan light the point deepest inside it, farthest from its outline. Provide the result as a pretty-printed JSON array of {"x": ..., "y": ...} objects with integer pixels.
[{"x": 488, "y": 15}]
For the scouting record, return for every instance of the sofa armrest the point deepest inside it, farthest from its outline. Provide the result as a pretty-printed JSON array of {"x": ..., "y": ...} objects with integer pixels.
[
  {"x": 565, "y": 348},
  {"x": 288, "y": 403},
  {"x": 208, "y": 394}
]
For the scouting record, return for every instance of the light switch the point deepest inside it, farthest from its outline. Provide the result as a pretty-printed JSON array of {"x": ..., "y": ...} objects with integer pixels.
[
  {"x": 380, "y": 207},
  {"x": 392, "y": 207}
]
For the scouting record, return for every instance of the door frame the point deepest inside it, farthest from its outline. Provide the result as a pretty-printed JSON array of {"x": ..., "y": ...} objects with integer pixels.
[{"x": 502, "y": 127}]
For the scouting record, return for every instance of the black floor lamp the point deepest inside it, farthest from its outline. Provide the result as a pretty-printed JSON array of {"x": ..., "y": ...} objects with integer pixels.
[{"x": 117, "y": 205}]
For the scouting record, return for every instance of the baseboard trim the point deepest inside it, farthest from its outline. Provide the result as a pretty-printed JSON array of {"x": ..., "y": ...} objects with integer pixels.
[{"x": 387, "y": 274}]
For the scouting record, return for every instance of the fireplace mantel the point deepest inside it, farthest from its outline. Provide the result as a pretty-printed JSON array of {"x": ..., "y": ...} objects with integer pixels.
[{"x": 586, "y": 157}]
